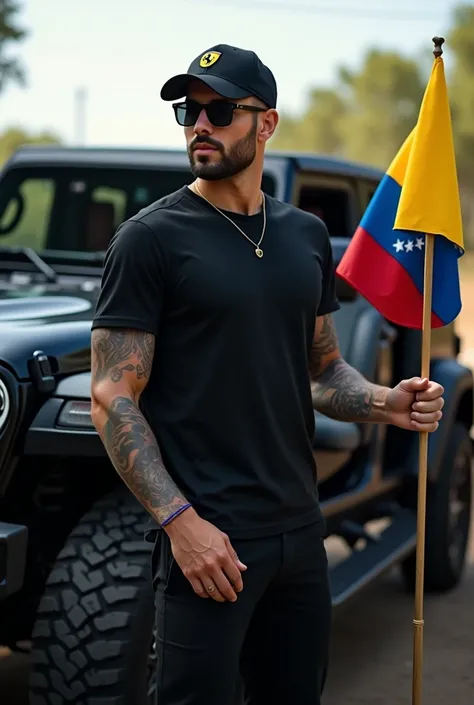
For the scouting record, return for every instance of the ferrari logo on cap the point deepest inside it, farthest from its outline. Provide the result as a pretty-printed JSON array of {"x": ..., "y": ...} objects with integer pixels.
[{"x": 209, "y": 58}]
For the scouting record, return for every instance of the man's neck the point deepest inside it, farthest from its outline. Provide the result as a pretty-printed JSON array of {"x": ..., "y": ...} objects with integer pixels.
[{"x": 238, "y": 195}]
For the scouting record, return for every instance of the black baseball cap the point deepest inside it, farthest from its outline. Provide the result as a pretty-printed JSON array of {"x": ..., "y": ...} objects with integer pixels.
[{"x": 232, "y": 72}]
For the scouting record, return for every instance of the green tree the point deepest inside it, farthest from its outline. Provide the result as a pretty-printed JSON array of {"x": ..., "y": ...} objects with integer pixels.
[
  {"x": 318, "y": 129},
  {"x": 286, "y": 135},
  {"x": 461, "y": 88},
  {"x": 460, "y": 44},
  {"x": 366, "y": 116},
  {"x": 11, "y": 69},
  {"x": 14, "y": 137},
  {"x": 383, "y": 100}
]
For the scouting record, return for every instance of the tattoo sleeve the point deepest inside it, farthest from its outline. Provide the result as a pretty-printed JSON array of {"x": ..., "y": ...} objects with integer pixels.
[
  {"x": 121, "y": 367},
  {"x": 339, "y": 391},
  {"x": 120, "y": 351}
]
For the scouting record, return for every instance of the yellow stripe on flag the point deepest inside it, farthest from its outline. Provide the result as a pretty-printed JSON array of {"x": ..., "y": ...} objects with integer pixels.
[{"x": 429, "y": 200}]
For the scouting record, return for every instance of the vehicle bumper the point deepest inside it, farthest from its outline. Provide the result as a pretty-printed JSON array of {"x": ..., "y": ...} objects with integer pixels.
[{"x": 13, "y": 547}]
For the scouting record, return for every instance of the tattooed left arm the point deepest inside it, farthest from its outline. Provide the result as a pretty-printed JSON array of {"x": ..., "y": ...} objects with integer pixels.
[{"x": 339, "y": 391}]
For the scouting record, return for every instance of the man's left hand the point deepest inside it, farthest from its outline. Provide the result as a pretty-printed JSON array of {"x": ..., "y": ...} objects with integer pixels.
[{"x": 415, "y": 404}]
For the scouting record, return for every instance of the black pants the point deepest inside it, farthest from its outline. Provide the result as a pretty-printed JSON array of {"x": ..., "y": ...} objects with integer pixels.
[{"x": 273, "y": 641}]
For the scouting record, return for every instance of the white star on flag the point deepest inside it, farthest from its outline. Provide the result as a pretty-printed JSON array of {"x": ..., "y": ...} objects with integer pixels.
[
  {"x": 398, "y": 245},
  {"x": 408, "y": 245}
]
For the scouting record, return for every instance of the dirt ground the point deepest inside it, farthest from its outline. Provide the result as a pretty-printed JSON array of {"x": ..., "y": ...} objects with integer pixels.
[{"x": 371, "y": 659}]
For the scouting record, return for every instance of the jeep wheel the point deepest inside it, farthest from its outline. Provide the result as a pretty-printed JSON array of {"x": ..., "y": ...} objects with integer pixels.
[
  {"x": 93, "y": 638},
  {"x": 448, "y": 518}
]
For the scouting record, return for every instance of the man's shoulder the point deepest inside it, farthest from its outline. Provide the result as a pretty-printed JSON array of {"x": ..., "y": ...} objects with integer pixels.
[
  {"x": 158, "y": 212},
  {"x": 282, "y": 208},
  {"x": 303, "y": 222},
  {"x": 143, "y": 231},
  {"x": 152, "y": 225}
]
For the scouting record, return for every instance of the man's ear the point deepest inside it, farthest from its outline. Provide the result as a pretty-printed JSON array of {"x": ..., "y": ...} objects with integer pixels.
[{"x": 268, "y": 125}]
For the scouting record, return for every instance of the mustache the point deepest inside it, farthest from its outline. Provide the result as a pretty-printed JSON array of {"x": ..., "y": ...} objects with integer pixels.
[{"x": 205, "y": 140}]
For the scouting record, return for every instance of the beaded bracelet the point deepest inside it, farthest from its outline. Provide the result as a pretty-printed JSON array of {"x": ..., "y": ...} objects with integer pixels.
[{"x": 175, "y": 514}]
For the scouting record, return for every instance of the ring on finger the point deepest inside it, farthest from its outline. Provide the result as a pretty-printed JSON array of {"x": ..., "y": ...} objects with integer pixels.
[{"x": 211, "y": 588}]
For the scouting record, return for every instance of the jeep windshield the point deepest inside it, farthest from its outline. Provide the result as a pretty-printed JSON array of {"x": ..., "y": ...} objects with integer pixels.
[{"x": 75, "y": 210}]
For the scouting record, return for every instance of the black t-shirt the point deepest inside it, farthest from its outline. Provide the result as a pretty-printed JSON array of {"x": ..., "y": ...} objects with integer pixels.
[{"x": 229, "y": 397}]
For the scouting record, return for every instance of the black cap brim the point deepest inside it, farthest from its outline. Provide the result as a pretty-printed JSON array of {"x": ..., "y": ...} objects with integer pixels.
[{"x": 177, "y": 87}]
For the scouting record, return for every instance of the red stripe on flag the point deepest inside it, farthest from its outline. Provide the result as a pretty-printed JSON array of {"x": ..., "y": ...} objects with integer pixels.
[{"x": 382, "y": 280}]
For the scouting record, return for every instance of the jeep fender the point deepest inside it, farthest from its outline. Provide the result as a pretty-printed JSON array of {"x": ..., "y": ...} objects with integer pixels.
[{"x": 457, "y": 381}]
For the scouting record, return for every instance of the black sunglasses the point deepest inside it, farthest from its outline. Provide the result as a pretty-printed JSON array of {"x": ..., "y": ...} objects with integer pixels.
[{"x": 219, "y": 112}]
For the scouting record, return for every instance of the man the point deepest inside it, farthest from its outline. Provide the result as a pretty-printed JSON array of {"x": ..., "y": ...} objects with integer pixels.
[{"x": 212, "y": 342}]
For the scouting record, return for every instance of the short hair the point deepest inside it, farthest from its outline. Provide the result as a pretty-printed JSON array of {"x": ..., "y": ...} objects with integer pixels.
[{"x": 259, "y": 103}]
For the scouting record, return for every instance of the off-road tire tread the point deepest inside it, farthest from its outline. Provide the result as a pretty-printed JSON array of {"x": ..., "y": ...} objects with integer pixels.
[{"x": 81, "y": 639}]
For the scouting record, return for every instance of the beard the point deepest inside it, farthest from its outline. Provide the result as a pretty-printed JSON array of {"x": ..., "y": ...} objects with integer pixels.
[{"x": 239, "y": 157}]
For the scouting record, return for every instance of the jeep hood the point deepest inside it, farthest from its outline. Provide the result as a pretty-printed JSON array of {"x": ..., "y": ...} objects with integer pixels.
[{"x": 59, "y": 325}]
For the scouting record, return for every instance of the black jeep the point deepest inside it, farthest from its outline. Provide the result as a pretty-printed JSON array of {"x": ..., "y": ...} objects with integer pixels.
[{"x": 74, "y": 566}]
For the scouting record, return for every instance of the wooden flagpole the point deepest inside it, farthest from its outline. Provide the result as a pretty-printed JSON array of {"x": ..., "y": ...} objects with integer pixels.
[{"x": 418, "y": 621}]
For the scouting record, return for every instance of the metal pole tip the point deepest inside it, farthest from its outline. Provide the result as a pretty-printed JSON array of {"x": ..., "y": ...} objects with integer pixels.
[{"x": 438, "y": 43}]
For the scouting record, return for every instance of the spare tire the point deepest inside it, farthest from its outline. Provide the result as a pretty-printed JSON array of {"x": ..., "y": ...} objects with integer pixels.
[{"x": 94, "y": 634}]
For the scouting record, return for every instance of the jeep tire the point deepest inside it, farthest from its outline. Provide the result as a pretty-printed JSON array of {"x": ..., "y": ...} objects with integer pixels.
[
  {"x": 94, "y": 631},
  {"x": 448, "y": 517}
]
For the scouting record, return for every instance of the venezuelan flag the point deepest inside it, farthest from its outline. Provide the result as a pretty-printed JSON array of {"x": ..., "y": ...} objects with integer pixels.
[{"x": 419, "y": 194}]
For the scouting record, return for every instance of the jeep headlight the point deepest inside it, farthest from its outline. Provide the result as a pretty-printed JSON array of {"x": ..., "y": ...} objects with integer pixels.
[
  {"x": 76, "y": 414},
  {"x": 4, "y": 405}
]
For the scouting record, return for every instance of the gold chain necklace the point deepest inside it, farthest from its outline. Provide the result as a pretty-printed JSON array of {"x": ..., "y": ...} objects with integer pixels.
[{"x": 258, "y": 250}]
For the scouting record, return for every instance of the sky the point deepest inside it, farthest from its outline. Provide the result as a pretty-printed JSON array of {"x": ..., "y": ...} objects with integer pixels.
[{"x": 122, "y": 52}]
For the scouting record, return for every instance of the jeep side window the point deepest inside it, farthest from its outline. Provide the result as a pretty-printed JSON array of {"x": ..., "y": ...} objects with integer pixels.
[
  {"x": 25, "y": 214},
  {"x": 366, "y": 190},
  {"x": 105, "y": 211},
  {"x": 331, "y": 204},
  {"x": 78, "y": 208}
]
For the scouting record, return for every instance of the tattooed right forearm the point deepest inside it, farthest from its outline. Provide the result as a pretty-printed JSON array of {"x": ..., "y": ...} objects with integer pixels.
[
  {"x": 121, "y": 366},
  {"x": 134, "y": 452}
]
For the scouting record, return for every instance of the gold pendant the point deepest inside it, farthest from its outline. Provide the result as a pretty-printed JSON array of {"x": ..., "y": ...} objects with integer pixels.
[{"x": 259, "y": 252}]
